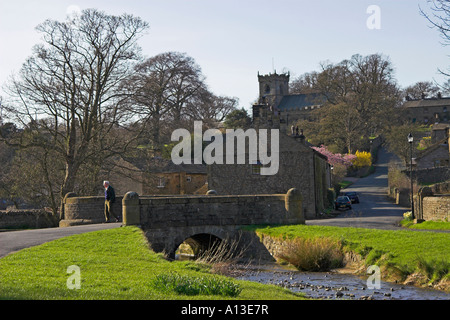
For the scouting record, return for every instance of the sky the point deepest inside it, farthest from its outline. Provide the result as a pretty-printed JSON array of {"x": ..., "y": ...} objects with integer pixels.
[{"x": 233, "y": 40}]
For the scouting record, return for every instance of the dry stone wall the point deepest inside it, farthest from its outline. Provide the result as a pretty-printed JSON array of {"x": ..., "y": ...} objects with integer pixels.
[
  {"x": 27, "y": 219},
  {"x": 436, "y": 208}
]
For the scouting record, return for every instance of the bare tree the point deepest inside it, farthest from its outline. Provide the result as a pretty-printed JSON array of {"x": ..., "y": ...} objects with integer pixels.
[
  {"x": 361, "y": 95},
  {"x": 209, "y": 108},
  {"x": 420, "y": 90},
  {"x": 162, "y": 86},
  {"x": 69, "y": 93},
  {"x": 439, "y": 17}
]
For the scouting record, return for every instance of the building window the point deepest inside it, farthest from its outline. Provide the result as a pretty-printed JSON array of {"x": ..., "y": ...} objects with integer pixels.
[
  {"x": 161, "y": 183},
  {"x": 267, "y": 89},
  {"x": 436, "y": 116},
  {"x": 188, "y": 178},
  {"x": 256, "y": 168}
]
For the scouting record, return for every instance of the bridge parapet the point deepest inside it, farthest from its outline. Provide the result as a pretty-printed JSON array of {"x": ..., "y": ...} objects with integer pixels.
[
  {"x": 168, "y": 221},
  {"x": 182, "y": 211}
]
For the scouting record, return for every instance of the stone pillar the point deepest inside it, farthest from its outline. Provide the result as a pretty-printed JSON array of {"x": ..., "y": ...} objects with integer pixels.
[
  {"x": 63, "y": 204},
  {"x": 294, "y": 206},
  {"x": 131, "y": 209}
]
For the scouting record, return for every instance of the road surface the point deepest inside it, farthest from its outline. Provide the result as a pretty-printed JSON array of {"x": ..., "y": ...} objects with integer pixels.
[{"x": 375, "y": 209}]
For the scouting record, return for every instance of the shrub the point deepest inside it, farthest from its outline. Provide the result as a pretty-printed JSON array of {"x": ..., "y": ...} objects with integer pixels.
[
  {"x": 363, "y": 159},
  {"x": 313, "y": 254},
  {"x": 407, "y": 215},
  {"x": 187, "y": 285}
]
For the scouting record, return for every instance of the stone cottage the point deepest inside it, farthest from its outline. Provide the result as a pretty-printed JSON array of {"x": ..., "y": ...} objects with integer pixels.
[
  {"x": 427, "y": 110},
  {"x": 438, "y": 154},
  {"x": 164, "y": 177}
]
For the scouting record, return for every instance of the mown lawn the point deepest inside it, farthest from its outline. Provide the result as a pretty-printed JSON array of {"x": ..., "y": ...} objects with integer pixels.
[
  {"x": 114, "y": 264},
  {"x": 404, "y": 251}
]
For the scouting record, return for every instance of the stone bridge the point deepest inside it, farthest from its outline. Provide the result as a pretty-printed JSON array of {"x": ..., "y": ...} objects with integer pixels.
[{"x": 201, "y": 220}]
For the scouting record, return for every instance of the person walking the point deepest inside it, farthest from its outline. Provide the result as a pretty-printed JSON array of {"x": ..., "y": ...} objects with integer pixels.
[{"x": 110, "y": 198}]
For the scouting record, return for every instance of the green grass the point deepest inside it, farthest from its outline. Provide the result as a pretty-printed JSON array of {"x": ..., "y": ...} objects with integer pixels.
[
  {"x": 345, "y": 184},
  {"x": 114, "y": 264},
  {"x": 426, "y": 225},
  {"x": 188, "y": 285},
  {"x": 402, "y": 252}
]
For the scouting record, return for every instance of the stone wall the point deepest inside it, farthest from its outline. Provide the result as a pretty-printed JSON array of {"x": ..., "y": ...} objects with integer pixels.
[
  {"x": 27, "y": 219},
  {"x": 436, "y": 208},
  {"x": 430, "y": 175},
  {"x": 86, "y": 210},
  {"x": 433, "y": 202}
]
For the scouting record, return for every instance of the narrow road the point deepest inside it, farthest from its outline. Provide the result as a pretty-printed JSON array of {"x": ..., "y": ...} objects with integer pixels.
[{"x": 375, "y": 209}]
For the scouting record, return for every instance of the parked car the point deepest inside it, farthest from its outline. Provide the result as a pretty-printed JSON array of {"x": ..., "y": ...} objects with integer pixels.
[
  {"x": 354, "y": 198},
  {"x": 343, "y": 202}
]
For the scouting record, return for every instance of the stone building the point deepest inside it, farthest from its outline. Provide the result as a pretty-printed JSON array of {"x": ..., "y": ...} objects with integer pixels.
[
  {"x": 274, "y": 92},
  {"x": 300, "y": 166},
  {"x": 438, "y": 154},
  {"x": 427, "y": 110},
  {"x": 154, "y": 175},
  {"x": 170, "y": 179}
]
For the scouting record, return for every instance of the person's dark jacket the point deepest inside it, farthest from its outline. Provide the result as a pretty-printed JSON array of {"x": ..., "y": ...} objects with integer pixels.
[{"x": 110, "y": 195}]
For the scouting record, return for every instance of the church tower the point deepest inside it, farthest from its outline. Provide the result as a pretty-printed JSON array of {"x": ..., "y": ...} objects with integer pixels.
[{"x": 272, "y": 88}]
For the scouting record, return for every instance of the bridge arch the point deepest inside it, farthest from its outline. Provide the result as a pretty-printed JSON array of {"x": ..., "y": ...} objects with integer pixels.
[{"x": 201, "y": 243}]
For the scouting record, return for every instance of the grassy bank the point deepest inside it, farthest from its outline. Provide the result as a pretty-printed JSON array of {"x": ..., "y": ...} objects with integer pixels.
[
  {"x": 117, "y": 264},
  {"x": 421, "y": 258},
  {"x": 426, "y": 225}
]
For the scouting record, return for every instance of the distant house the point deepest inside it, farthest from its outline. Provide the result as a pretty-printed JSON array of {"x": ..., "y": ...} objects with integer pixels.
[
  {"x": 427, "y": 110},
  {"x": 155, "y": 175},
  {"x": 162, "y": 176},
  {"x": 438, "y": 154}
]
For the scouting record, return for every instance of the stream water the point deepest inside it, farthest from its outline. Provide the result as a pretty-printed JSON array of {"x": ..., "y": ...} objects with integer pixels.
[{"x": 334, "y": 285}]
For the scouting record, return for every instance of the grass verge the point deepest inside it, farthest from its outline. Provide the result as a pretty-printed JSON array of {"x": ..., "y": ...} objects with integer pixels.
[
  {"x": 117, "y": 264},
  {"x": 426, "y": 225},
  {"x": 421, "y": 258}
]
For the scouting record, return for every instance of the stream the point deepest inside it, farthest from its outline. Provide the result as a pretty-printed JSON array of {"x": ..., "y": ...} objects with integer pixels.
[{"x": 334, "y": 285}]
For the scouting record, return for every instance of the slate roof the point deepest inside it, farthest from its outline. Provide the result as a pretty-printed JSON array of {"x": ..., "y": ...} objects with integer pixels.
[
  {"x": 433, "y": 102},
  {"x": 295, "y": 101},
  {"x": 161, "y": 165}
]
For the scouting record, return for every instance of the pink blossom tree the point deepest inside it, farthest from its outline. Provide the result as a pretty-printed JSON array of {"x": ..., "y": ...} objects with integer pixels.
[{"x": 336, "y": 158}]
